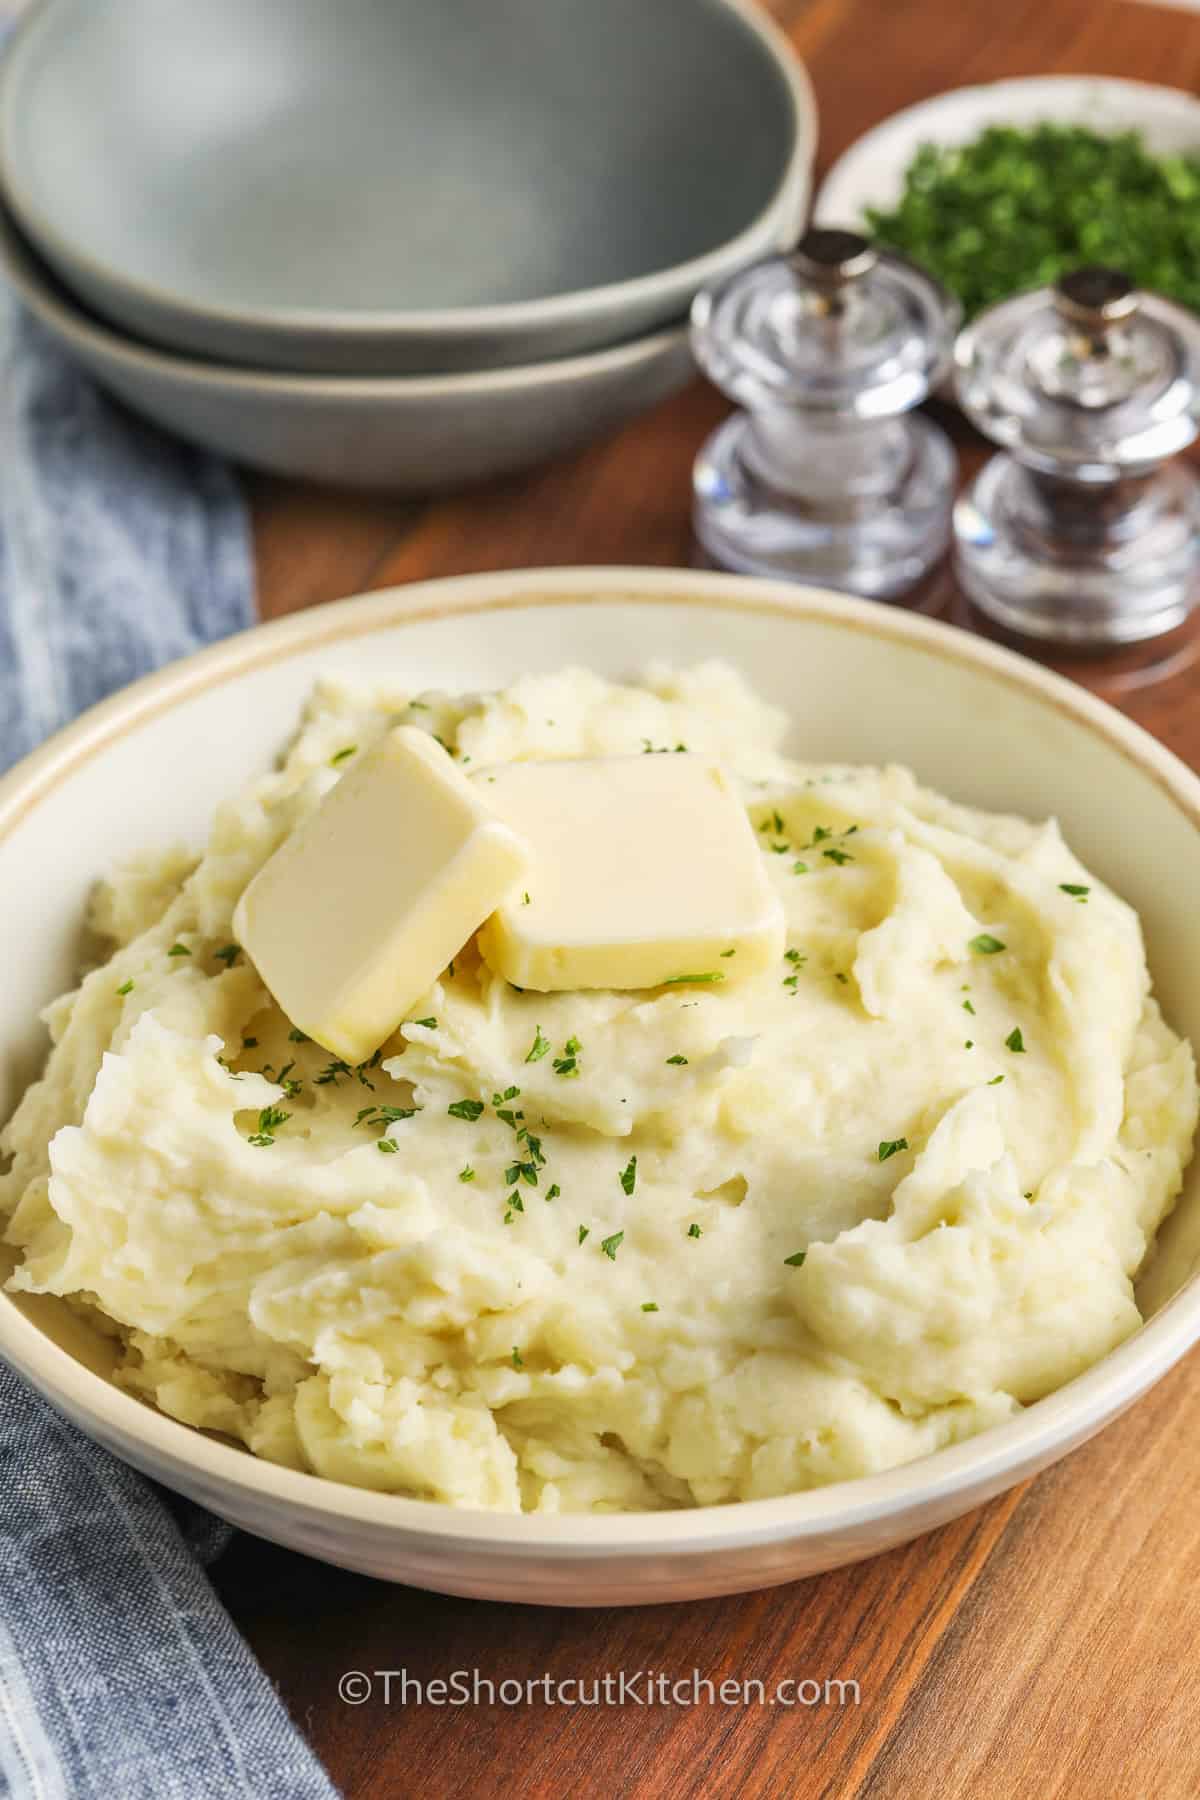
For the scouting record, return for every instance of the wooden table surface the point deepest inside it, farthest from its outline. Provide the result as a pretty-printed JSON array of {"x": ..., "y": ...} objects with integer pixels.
[{"x": 1043, "y": 1646}]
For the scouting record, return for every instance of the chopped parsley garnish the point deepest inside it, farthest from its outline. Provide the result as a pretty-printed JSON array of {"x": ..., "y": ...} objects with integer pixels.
[
  {"x": 969, "y": 1044},
  {"x": 1076, "y": 890},
  {"x": 518, "y": 1361},
  {"x": 510, "y": 1093},
  {"x": 986, "y": 945},
  {"x": 583, "y": 1233},
  {"x": 228, "y": 954},
  {"x": 465, "y": 1109},
  {"x": 792, "y": 982},
  {"x": 126, "y": 987},
  {"x": 1014, "y": 1040},
  {"x": 840, "y": 975},
  {"x": 799, "y": 868},
  {"x": 967, "y": 1007},
  {"x": 179, "y": 950},
  {"x": 694, "y": 1231},
  {"x": 387, "y": 1145},
  {"x": 794, "y": 956},
  {"x": 394, "y": 1114},
  {"x": 610, "y": 1245},
  {"x": 995, "y": 1081},
  {"x": 339, "y": 756},
  {"x": 429, "y": 1024},
  {"x": 629, "y": 1175},
  {"x": 711, "y": 976},
  {"x": 525, "y": 898},
  {"x": 296, "y": 1036},
  {"x": 649, "y": 1305},
  {"x": 540, "y": 1047},
  {"x": 679, "y": 1062},
  {"x": 269, "y": 1121},
  {"x": 796, "y": 1259},
  {"x": 838, "y": 856},
  {"x": 249, "y": 1043},
  {"x": 568, "y": 1063},
  {"x": 891, "y": 1147},
  {"x": 329, "y": 1074},
  {"x": 467, "y": 1174},
  {"x": 515, "y": 1202},
  {"x": 521, "y": 1171},
  {"x": 732, "y": 952},
  {"x": 360, "y": 1116},
  {"x": 553, "y": 1191}
]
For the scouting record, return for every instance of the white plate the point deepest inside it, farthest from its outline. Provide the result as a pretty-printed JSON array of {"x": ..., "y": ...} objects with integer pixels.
[
  {"x": 872, "y": 171},
  {"x": 863, "y": 683}
]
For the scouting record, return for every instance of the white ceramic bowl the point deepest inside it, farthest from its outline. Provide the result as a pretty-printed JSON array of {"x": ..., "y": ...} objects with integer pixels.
[
  {"x": 408, "y": 434},
  {"x": 864, "y": 682},
  {"x": 419, "y": 186},
  {"x": 871, "y": 172}
]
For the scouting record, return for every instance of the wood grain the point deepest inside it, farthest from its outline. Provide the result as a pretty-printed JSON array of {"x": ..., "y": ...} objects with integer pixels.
[{"x": 1042, "y": 1647}]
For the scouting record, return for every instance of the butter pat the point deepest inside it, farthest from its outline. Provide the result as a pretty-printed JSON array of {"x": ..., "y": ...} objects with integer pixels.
[
  {"x": 361, "y": 908},
  {"x": 645, "y": 869}
]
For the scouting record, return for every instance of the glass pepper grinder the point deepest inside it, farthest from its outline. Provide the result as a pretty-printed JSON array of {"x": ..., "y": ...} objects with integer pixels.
[
  {"x": 828, "y": 475},
  {"x": 1082, "y": 530}
]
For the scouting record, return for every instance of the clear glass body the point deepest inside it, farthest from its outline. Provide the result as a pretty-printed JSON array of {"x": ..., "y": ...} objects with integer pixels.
[{"x": 827, "y": 476}]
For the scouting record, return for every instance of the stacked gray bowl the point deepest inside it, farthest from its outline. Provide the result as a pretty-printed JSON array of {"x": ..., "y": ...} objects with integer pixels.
[{"x": 390, "y": 243}]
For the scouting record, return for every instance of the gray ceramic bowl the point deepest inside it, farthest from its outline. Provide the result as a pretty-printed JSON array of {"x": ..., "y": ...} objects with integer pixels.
[
  {"x": 407, "y": 434},
  {"x": 394, "y": 186}
]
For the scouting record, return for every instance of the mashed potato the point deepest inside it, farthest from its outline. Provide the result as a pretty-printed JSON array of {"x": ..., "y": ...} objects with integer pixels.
[{"x": 718, "y": 1243}]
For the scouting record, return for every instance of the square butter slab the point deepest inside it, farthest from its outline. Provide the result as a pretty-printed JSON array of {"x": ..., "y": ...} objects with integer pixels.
[
  {"x": 645, "y": 870},
  {"x": 359, "y": 910}
]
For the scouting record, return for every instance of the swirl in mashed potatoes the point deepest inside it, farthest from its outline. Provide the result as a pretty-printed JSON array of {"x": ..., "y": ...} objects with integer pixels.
[{"x": 716, "y": 1242}]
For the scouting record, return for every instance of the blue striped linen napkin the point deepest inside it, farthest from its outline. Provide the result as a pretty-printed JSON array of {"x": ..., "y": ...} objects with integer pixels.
[{"x": 121, "y": 1675}]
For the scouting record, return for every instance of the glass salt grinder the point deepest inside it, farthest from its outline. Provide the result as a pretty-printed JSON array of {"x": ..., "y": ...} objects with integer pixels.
[
  {"x": 828, "y": 475},
  {"x": 1082, "y": 530}
]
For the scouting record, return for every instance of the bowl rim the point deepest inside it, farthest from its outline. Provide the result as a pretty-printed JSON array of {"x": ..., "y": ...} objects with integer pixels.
[
  {"x": 918, "y": 122},
  {"x": 450, "y": 323},
  {"x": 49, "y": 300},
  {"x": 980, "y": 1463}
]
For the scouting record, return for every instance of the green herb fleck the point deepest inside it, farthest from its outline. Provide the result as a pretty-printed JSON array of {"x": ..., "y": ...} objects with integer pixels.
[
  {"x": 126, "y": 987},
  {"x": 694, "y": 1231},
  {"x": 799, "y": 868},
  {"x": 465, "y": 1109},
  {"x": 711, "y": 977},
  {"x": 540, "y": 1047},
  {"x": 467, "y": 1174},
  {"x": 429, "y": 1024},
  {"x": 296, "y": 1036},
  {"x": 1014, "y": 1040},
  {"x": 518, "y": 1361},
  {"x": 1076, "y": 891},
  {"x": 796, "y": 1259},
  {"x": 389, "y": 1146},
  {"x": 583, "y": 1233},
  {"x": 339, "y": 756},
  {"x": 995, "y": 1081},
  {"x": 360, "y": 1116},
  {"x": 967, "y": 1007},
  {"x": 629, "y": 1175},
  {"x": 394, "y": 1114},
  {"x": 610, "y": 1245},
  {"x": 553, "y": 1191},
  {"x": 986, "y": 945},
  {"x": 525, "y": 898},
  {"x": 838, "y": 856},
  {"x": 679, "y": 1062},
  {"x": 891, "y": 1147},
  {"x": 179, "y": 950},
  {"x": 649, "y": 1305},
  {"x": 228, "y": 954},
  {"x": 732, "y": 952}
]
